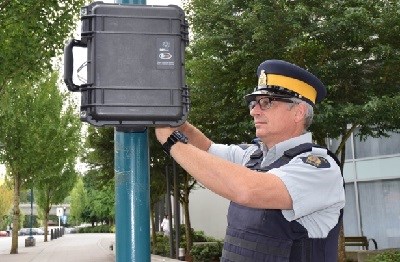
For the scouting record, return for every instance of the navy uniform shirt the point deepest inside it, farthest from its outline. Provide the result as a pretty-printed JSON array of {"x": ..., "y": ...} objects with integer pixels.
[{"x": 312, "y": 179}]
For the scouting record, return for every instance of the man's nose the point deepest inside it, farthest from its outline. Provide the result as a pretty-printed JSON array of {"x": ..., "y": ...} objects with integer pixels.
[{"x": 255, "y": 110}]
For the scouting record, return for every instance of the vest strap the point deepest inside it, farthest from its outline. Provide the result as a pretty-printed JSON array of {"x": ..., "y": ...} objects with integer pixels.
[
  {"x": 256, "y": 158},
  {"x": 230, "y": 256}
]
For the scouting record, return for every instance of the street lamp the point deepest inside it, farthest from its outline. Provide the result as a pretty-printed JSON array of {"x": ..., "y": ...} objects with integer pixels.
[
  {"x": 30, "y": 241},
  {"x": 31, "y": 218}
]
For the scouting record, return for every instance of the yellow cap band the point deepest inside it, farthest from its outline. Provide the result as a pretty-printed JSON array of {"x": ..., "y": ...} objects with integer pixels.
[{"x": 292, "y": 84}]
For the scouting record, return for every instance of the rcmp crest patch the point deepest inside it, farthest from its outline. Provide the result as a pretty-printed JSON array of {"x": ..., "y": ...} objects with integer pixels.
[{"x": 317, "y": 161}]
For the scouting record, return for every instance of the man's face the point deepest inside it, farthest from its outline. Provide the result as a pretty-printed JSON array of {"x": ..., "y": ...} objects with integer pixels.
[{"x": 274, "y": 119}]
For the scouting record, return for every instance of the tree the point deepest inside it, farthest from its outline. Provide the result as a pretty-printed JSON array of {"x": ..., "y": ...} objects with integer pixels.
[
  {"x": 39, "y": 135},
  {"x": 187, "y": 186},
  {"x": 99, "y": 179},
  {"x": 356, "y": 65},
  {"x": 78, "y": 200},
  {"x": 99, "y": 153},
  {"x": 157, "y": 184},
  {"x": 229, "y": 43},
  {"x": 357, "y": 61},
  {"x": 6, "y": 195},
  {"x": 53, "y": 191},
  {"x": 99, "y": 201},
  {"x": 19, "y": 133},
  {"x": 60, "y": 146},
  {"x": 102, "y": 203},
  {"x": 32, "y": 33}
]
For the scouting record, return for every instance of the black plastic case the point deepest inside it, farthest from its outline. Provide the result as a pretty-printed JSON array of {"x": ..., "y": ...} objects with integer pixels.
[{"x": 135, "y": 65}]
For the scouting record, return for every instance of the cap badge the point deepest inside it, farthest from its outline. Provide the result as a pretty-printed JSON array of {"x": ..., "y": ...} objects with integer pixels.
[{"x": 262, "y": 80}]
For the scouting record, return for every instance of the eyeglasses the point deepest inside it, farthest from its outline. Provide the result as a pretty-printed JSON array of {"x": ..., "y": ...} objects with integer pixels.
[{"x": 265, "y": 102}]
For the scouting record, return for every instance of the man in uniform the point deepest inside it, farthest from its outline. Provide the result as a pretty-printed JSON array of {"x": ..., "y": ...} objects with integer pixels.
[{"x": 286, "y": 193}]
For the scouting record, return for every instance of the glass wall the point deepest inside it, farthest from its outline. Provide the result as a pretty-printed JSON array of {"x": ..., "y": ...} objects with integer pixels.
[
  {"x": 380, "y": 211},
  {"x": 350, "y": 212},
  {"x": 372, "y": 176},
  {"x": 375, "y": 147}
]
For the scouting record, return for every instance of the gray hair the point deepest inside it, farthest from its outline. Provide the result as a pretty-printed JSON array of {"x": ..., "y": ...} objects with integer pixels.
[{"x": 308, "y": 118}]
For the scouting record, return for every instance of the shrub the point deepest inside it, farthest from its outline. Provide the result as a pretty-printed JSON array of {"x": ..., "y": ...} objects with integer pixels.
[
  {"x": 387, "y": 256},
  {"x": 207, "y": 252},
  {"x": 27, "y": 221},
  {"x": 161, "y": 247},
  {"x": 199, "y": 236},
  {"x": 96, "y": 229}
]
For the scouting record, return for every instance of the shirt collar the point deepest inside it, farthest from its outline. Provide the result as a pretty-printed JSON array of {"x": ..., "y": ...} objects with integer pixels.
[{"x": 277, "y": 150}]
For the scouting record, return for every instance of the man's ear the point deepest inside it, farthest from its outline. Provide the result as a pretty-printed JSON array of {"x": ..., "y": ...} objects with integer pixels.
[{"x": 300, "y": 112}]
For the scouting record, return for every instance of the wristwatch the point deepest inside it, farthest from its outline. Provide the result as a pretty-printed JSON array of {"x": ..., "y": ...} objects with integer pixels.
[{"x": 175, "y": 137}]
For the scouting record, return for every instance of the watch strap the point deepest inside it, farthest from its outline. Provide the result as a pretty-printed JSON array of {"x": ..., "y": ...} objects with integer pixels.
[
  {"x": 167, "y": 145},
  {"x": 175, "y": 137}
]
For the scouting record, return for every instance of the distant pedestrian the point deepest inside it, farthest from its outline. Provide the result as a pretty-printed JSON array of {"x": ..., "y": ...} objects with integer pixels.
[
  {"x": 165, "y": 225},
  {"x": 8, "y": 230}
]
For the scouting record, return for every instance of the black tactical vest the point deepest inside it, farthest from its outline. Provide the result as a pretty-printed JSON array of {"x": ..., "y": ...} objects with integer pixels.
[{"x": 256, "y": 235}]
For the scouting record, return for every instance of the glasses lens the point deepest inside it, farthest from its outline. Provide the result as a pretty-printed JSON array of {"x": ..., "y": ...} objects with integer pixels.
[
  {"x": 264, "y": 102},
  {"x": 252, "y": 104}
]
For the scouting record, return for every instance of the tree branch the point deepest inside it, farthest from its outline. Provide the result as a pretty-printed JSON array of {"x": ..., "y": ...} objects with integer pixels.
[{"x": 344, "y": 138}]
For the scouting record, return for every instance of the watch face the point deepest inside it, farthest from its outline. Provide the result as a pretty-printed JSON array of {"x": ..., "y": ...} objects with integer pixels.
[{"x": 180, "y": 137}]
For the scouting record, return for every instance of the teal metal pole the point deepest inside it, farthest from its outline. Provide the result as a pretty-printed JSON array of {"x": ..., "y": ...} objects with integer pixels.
[
  {"x": 132, "y": 190},
  {"x": 132, "y": 196}
]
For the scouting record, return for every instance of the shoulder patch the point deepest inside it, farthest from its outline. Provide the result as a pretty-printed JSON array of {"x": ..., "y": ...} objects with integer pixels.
[{"x": 317, "y": 161}]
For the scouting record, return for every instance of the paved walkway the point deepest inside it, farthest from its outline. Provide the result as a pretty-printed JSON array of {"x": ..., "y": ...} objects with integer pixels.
[{"x": 68, "y": 248}]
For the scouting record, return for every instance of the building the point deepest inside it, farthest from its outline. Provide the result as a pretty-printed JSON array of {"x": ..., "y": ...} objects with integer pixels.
[{"x": 372, "y": 177}]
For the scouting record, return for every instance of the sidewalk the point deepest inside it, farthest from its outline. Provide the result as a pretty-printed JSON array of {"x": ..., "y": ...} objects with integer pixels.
[{"x": 68, "y": 248}]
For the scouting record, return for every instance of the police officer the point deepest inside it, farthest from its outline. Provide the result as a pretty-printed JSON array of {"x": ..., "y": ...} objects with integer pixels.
[{"x": 286, "y": 193}]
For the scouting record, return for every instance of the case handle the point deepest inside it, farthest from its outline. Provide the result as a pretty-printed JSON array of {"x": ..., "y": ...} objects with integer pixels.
[{"x": 69, "y": 64}]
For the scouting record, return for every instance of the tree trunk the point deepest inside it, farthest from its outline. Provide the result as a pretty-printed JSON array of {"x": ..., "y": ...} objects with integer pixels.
[
  {"x": 188, "y": 225},
  {"x": 153, "y": 227},
  {"x": 46, "y": 227},
  {"x": 341, "y": 247},
  {"x": 46, "y": 212},
  {"x": 16, "y": 213}
]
